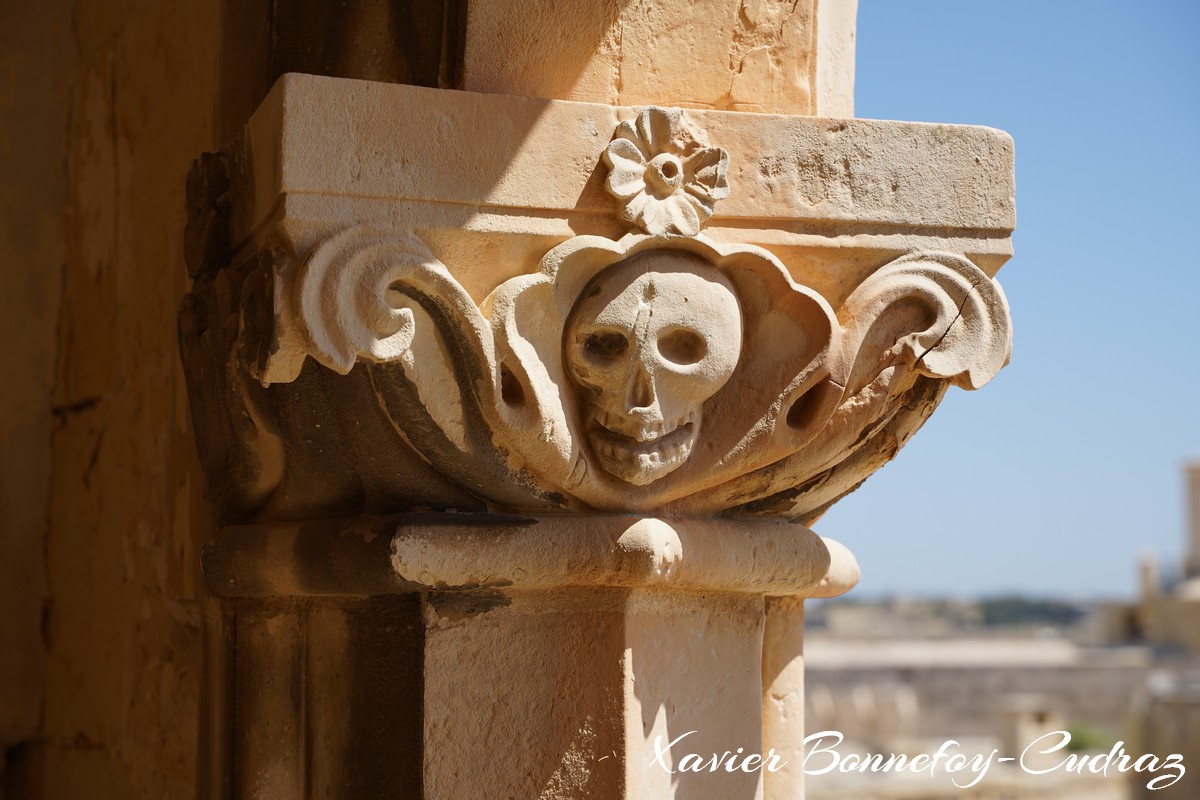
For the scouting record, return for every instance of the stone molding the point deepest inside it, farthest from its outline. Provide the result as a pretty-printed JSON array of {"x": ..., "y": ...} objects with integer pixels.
[{"x": 473, "y": 552}]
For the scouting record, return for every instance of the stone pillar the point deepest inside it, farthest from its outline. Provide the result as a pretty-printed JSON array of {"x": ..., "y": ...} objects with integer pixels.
[
  {"x": 768, "y": 56},
  {"x": 517, "y": 401},
  {"x": 1191, "y": 474}
]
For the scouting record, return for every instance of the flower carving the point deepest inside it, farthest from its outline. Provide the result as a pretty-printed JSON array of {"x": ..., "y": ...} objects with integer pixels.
[{"x": 664, "y": 173}]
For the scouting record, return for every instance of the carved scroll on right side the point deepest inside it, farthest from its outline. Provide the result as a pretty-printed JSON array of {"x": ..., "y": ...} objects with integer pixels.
[
  {"x": 935, "y": 312},
  {"x": 918, "y": 324}
]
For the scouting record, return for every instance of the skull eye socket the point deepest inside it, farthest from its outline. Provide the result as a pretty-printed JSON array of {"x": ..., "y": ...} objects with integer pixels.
[
  {"x": 605, "y": 345},
  {"x": 682, "y": 346}
]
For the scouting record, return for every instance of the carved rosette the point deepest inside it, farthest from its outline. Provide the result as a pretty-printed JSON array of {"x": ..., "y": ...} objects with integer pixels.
[
  {"x": 663, "y": 174},
  {"x": 663, "y": 371}
]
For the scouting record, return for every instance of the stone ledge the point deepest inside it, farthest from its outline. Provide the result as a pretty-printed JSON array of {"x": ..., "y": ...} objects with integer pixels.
[{"x": 457, "y": 552}]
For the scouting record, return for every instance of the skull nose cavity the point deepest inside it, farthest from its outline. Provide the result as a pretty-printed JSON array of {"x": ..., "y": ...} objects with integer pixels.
[{"x": 641, "y": 389}]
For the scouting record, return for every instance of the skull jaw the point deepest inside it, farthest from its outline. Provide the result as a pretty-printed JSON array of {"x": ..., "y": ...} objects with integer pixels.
[{"x": 642, "y": 462}]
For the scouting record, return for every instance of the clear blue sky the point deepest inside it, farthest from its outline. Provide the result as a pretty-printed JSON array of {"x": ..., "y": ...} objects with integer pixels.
[{"x": 1053, "y": 477}]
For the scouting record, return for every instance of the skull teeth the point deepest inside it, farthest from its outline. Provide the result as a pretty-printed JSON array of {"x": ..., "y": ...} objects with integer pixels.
[
  {"x": 651, "y": 450},
  {"x": 639, "y": 430},
  {"x": 654, "y": 453}
]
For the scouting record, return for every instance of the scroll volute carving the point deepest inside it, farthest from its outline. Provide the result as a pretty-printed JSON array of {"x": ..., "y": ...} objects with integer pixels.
[
  {"x": 933, "y": 312},
  {"x": 916, "y": 325}
]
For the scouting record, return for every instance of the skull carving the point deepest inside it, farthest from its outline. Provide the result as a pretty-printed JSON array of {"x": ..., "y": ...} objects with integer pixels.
[{"x": 650, "y": 339}]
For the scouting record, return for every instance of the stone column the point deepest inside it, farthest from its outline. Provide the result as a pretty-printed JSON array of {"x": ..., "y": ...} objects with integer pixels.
[
  {"x": 590, "y": 641},
  {"x": 517, "y": 401},
  {"x": 1191, "y": 474}
]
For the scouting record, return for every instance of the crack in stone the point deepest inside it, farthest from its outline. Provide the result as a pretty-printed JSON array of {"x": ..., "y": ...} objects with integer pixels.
[{"x": 967, "y": 296}]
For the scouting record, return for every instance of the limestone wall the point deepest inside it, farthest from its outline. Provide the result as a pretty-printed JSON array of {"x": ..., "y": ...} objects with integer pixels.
[
  {"x": 32, "y": 252},
  {"x": 103, "y": 106},
  {"x": 112, "y": 102}
]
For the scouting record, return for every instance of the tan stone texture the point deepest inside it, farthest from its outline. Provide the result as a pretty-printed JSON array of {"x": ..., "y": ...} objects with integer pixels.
[
  {"x": 97, "y": 455},
  {"x": 122, "y": 625},
  {"x": 33, "y": 141},
  {"x": 777, "y": 56}
]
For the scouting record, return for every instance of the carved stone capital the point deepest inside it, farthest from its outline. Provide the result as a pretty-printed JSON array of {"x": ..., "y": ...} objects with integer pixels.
[{"x": 530, "y": 352}]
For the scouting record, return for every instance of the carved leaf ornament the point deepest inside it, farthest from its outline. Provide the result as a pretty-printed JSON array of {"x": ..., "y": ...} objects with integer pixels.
[{"x": 663, "y": 371}]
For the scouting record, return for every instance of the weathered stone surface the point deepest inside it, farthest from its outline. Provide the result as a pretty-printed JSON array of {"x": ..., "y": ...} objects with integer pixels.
[
  {"x": 756, "y": 55},
  {"x": 125, "y": 659},
  {"x": 100, "y": 473},
  {"x": 783, "y": 685},
  {"x": 328, "y": 699}
]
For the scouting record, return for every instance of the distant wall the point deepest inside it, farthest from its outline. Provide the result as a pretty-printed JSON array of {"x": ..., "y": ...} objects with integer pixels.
[
  {"x": 1173, "y": 620},
  {"x": 959, "y": 701}
]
